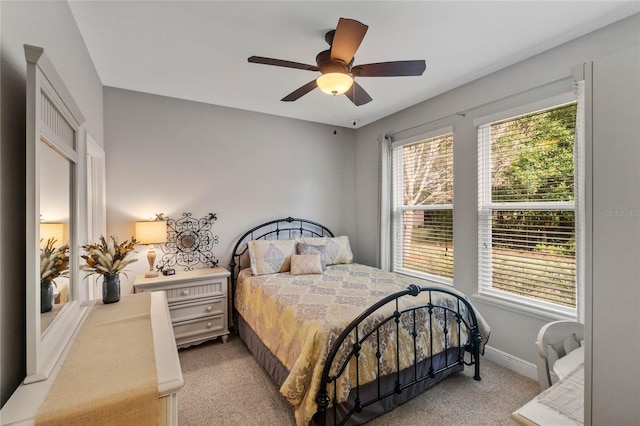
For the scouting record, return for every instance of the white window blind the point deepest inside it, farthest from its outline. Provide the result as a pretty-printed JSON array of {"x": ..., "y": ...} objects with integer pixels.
[
  {"x": 422, "y": 217},
  {"x": 526, "y": 207}
]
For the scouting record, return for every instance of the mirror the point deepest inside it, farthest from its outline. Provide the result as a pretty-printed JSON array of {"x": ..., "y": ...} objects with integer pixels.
[
  {"x": 55, "y": 205},
  {"x": 52, "y": 169}
]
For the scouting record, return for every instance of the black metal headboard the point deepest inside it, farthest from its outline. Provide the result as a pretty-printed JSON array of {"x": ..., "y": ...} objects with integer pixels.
[{"x": 280, "y": 229}]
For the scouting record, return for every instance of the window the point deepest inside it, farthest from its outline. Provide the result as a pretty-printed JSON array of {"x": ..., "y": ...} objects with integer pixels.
[
  {"x": 422, "y": 217},
  {"x": 527, "y": 209}
]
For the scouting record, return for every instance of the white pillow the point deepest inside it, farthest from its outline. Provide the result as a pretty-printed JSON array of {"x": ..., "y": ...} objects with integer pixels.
[
  {"x": 338, "y": 249},
  {"x": 303, "y": 264},
  {"x": 271, "y": 256}
]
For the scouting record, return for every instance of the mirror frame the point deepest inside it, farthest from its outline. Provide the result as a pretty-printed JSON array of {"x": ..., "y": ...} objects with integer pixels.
[
  {"x": 48, "y": 102},
  {"x": 96, "y": 205}
]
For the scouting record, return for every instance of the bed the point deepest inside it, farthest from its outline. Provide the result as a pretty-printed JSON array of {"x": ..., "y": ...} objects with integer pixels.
[{"x": 345, "y": 342}]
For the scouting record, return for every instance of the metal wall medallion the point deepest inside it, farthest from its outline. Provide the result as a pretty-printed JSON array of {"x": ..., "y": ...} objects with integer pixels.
[{"x": 189, "y": 243}]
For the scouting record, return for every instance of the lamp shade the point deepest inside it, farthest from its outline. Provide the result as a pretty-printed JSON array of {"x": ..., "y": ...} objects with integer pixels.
[
  {"x": 151, "y": 232},
  {"x": 334, "y": 83},
  {"x": 51, "y": 230}
]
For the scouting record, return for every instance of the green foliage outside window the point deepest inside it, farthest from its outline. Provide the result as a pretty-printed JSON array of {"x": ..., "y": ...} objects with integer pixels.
[{"x": 536, "y": 165}]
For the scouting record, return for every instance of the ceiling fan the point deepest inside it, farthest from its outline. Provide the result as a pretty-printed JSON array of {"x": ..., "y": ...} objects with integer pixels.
[{"x": 336, "y": 65}]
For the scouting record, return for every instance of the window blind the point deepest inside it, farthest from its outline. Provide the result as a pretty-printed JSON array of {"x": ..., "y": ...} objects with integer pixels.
[
  {"x": 422, "y": 219},
  {"x": 527, "y": 240}
]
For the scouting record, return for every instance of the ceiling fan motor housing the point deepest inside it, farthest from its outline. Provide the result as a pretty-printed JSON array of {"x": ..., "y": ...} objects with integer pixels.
[{"x": 327, "y": 65}]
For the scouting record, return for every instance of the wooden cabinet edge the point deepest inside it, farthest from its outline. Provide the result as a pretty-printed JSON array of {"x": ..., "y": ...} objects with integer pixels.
[{"x": 168, "y": 368}]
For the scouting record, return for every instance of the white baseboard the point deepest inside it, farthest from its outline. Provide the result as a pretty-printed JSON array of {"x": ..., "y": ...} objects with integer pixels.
[{"x": 511, "y": 362}]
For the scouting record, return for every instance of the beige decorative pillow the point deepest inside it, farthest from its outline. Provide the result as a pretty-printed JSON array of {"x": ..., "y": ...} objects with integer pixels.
[
  {"x": 338, "y": 249},
  {"x": 303, "y": 264},
  {"x": 271, "y": 256}
]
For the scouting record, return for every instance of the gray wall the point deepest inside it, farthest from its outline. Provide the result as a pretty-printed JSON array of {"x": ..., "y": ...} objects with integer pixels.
[
  {"x": 172, "y": 156},
  {"x": 514, "y": 332},
  {"x": 49, "y": 25}
]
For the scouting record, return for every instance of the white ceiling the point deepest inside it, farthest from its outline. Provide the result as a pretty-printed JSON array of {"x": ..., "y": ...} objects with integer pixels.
[{"x": 198, "y": 50}]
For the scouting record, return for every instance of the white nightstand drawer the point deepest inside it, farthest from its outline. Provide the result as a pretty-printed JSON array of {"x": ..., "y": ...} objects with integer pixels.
[
  {"x": 197, "y": 300},
  {"x": 192, "y": 310},
  {"x": 188, "y": 292},
  {"x": 200, "y": 328}
]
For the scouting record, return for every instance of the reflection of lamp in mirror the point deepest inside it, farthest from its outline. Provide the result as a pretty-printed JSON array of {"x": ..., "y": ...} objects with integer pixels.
[
  {"x": 51, "y": 230},
  {"x": 151, "y": 232}
]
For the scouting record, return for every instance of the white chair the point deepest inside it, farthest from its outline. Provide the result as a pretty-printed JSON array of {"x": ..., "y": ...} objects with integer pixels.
[{"x": 557, "y": 340}]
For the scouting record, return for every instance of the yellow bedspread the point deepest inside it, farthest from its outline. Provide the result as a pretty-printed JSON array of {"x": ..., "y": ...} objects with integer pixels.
[{"x": 299, "y": 316}]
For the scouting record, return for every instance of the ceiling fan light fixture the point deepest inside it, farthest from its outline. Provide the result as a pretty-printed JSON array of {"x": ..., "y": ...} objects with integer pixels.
[{"x": 334, "y": 83}]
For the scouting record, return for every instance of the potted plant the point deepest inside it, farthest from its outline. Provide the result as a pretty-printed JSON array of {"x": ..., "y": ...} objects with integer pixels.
[
  {"x": 108, "y": 258},
  {"x": 54, "y": 263}
]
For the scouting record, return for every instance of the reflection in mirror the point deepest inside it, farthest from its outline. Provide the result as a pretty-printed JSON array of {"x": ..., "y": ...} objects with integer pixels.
[{"x": 55, "y": 203}]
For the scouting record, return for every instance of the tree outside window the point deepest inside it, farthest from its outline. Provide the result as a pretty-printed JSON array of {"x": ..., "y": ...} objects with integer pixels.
[{"x": 423, "y": 207}]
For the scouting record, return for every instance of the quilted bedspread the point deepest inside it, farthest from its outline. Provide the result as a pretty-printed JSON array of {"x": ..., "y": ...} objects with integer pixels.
[{"x": 299, "y": 316}]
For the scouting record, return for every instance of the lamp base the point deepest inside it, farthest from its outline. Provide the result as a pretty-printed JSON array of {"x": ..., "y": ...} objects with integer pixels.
[{"x": 151, "y": 257}]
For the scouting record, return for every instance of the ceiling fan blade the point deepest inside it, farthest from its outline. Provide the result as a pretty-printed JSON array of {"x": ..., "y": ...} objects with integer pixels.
[
  {"x": 390, "y": 69},
  {"x": 282, "y": 63},
  {"x": 300, "y": 92},
  {"x": 358, "y": 95},
  {"x": 347, "y": 38}
]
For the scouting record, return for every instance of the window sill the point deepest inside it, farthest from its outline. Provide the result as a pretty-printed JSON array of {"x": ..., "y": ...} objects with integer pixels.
[{"x": 531, "y": 310}]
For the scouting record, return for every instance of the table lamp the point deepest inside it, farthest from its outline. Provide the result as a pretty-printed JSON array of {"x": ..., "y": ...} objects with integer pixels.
[
  {"x": 149, "y": 233},
  {"x": 51, "y": 230}
]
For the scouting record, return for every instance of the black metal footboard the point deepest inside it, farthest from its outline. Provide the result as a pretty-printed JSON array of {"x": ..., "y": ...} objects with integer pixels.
[{"x": 455, "y": 317}]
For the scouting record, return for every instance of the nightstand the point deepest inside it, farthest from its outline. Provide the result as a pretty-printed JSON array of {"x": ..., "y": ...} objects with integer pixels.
[{"x": 197, "y": 300}]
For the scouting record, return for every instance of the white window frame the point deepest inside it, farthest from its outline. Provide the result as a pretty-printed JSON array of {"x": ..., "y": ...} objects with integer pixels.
[
  {"x": 485, "y": 208},
  {"x": 397, "y": 209}
]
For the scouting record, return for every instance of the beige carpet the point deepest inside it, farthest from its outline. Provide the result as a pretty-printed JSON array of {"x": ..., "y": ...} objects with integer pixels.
[{"x": 224, "y": 385}]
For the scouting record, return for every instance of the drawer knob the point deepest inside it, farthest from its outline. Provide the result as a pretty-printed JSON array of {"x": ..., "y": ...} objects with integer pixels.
[
  {"x": 209, "y": 308},
  {"x": 185, "y": 292},
  {"x": 209, "y": 325}
]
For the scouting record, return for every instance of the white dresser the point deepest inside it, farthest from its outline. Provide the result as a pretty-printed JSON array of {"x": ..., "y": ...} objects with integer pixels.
[
  {"x": 198, "y": 302},
  {"x": 23, "y": 406}
]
